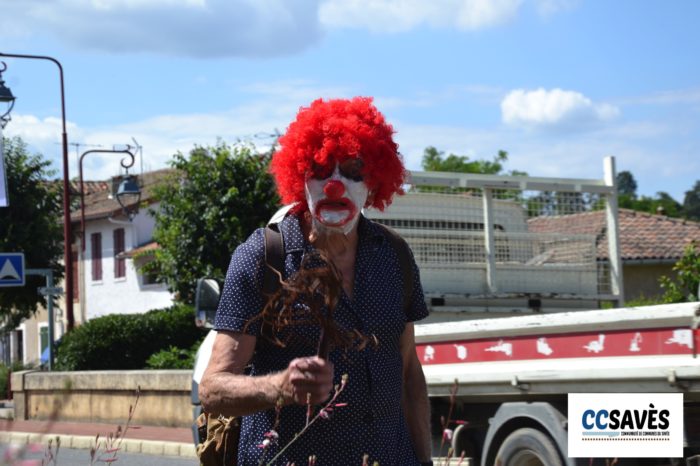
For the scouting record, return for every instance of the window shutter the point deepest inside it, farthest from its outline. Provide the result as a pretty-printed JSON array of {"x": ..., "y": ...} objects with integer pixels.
[
  {"x": 96, "y": 259},
  {"x": 119, "y": 263}
]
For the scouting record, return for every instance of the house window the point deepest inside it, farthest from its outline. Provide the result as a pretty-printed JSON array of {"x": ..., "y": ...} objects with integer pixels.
[
  {"x": 149, "y": 279},
  {"x": 119, "y": 263},
  {"x": 96, "y": 259}
]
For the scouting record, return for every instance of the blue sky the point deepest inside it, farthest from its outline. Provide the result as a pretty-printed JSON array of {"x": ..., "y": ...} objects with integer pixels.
[{"x": 559, "y": 84}]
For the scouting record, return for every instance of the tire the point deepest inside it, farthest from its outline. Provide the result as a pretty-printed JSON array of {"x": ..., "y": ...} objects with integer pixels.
[{"x": 528, "y": 447}]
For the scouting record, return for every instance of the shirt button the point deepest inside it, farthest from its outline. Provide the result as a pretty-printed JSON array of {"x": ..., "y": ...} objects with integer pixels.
[{"x": 368, "y": 418}]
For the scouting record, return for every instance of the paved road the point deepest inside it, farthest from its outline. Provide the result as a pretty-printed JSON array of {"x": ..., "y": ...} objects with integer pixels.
[{"x": 74, "y": 457}]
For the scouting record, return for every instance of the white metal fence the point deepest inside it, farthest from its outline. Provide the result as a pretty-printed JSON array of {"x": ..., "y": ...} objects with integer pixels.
[{"x": 504, "y": 236}]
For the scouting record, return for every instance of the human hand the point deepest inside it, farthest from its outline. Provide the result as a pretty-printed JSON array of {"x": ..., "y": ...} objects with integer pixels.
[{"x": 310, "y": 375}]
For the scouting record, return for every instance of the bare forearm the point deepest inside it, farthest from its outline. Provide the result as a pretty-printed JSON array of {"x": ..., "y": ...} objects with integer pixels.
[
  {"x": 225, "y": 391},
  {"x": 239, "y": 395},
  {"x": 416, "y": 408}
]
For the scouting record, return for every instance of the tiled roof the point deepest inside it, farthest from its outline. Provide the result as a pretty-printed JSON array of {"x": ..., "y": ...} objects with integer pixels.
[
  {"x": 89, "y": 187},
  {"x": 643, "y": 236},
  {"x": 99, "y": 202},
  {"x": 144, "y": 248}
]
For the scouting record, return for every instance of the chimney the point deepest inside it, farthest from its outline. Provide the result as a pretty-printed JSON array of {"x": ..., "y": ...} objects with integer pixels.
[{"x": 660, "y": 210}]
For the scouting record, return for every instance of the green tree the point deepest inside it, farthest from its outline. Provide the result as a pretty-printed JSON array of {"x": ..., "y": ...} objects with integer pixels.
[
  {"x": 434, "y": 160},
  {"x": 216, "y": 198},
  {"x": 691, "y": 202},
  {"x": 686, "y": 285},
  {"x": 31, "y": 224},
  {"x": 662, "y": 202},
  {"x": 626, "y": 184}
]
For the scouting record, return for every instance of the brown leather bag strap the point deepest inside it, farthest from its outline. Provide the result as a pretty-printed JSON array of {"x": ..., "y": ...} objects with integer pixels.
[
  {"x": 274, "y": 259},
  {"x": 400, "y": 246}
]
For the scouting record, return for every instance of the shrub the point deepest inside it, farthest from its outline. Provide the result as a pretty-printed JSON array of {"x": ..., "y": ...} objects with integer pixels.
[
  {"x": 643, "y": 300},
  {"x": 173, "y": 358},
  {"x": 121, "y": 341},
  {"x": 686, "y": 285},
  {"x": 5, "y": 373}
]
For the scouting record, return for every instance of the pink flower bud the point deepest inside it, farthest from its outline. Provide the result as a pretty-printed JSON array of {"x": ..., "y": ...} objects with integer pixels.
[{"x": 447, "y": 434}]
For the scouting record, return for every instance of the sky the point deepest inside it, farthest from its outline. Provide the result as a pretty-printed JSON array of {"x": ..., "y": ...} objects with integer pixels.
[{"x": 558, "y": 84}]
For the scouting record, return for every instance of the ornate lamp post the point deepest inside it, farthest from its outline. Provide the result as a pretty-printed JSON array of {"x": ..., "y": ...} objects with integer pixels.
[
  {"x": 127, "y": 194},
  {"x": 67, "y": 233}
]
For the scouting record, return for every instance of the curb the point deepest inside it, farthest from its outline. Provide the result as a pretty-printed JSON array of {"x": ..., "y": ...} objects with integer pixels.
[{"x": 86, "y": 442}]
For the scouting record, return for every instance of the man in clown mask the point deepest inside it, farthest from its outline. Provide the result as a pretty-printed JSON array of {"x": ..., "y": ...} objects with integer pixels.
[{"x": 336, "y": 158}]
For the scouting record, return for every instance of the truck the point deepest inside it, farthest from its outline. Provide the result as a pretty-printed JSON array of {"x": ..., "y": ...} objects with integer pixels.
[
  {"x": 514, "y": 374},
  {"x": 515, "y": 322}
]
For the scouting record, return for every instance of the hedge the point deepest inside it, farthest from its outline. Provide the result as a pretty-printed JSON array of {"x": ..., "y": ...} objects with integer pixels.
[{"x": 126, "y": 341}]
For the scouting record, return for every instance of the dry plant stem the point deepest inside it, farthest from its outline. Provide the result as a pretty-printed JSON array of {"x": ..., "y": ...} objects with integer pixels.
[
  {"x": 446, "y": 422},
  {"x": 338, "y": 391},
  {"x": 318, "y": 287},
  {"x": 309, "y": 408},
  {"x": 49, "y": 456},
  {"x": 132, "y": 410},
  {"x": 112, "y": 444},
  {"x": 273, "y": 432}
]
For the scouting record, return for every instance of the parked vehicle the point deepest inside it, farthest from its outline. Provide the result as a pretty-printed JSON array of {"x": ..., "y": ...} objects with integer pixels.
[{"x": 514, "y": 374}]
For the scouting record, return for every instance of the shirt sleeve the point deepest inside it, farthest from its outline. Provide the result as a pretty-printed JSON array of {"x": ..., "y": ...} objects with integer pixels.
[
  {"x": 418, "y": 310},
  {"x": 241, "y": 299}
]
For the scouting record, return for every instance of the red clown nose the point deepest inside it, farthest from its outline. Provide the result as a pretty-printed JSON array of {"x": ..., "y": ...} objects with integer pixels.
[{"x": 334, "y": 189}]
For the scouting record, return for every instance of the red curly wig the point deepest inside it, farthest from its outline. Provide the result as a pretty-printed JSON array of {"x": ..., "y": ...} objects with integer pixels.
[{"x": 330, "y": 131}]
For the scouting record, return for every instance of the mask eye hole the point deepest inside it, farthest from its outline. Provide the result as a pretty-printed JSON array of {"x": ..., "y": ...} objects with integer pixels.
[
  {"x": 352, "y": 169},
  {"x": 321, "y": 172}
]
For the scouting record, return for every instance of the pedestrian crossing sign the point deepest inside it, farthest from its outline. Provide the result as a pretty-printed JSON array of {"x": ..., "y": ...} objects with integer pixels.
[{"x": 11, "y": 269}]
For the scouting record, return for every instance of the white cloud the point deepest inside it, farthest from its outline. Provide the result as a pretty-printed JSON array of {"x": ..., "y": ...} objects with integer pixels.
[
  {"x": 193, "y": 28},
  {"x": 640, "y": 147},
  {"x": 272, "y": 107},
  {"x": 403, "y": 15},
  {"x": 248, "y": 28},
  {"x": 554, "y": 108}
]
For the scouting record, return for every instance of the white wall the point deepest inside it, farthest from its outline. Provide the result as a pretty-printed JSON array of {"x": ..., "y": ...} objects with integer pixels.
[{"x": 120, "y": 295}]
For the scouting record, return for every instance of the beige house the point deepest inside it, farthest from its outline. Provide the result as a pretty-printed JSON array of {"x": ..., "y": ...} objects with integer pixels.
[{"x": 649, "y": 244}]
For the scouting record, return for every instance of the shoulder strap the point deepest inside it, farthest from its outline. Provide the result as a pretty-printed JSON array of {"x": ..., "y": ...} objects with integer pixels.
[
  {"x": 404, "y": 254},
  {"x": 274, "y": 259}
]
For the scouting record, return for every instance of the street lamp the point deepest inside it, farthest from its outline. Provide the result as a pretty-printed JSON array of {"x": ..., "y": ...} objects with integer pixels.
[
  {"x": 6, "y": 97},
  {"x": 127, "y": 194},
  {"x": 67, "y": 234}
]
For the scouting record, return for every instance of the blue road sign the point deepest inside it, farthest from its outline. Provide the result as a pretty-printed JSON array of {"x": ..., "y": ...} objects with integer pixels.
[{"x": 11, "y": 269}]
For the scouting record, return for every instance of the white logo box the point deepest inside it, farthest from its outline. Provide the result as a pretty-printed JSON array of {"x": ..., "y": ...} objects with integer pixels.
[{"x": 625, "y": 425}]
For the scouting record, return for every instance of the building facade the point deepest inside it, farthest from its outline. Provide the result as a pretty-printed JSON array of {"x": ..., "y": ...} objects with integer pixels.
[{"x": 107, "y": 277}]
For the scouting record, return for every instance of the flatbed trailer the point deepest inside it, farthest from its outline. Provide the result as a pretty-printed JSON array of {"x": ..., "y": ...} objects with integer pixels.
[{"x": 514, "y": 374}]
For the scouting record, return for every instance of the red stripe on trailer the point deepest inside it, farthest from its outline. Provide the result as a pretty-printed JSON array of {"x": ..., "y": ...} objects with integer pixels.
[{"x": 643, "y": 342}]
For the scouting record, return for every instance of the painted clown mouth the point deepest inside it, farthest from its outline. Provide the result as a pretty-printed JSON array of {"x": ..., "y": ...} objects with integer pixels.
[{"x": 335, "y": 212}]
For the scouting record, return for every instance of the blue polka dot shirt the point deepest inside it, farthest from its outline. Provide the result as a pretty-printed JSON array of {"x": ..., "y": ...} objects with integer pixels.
[{"x": 372, "y": 423}]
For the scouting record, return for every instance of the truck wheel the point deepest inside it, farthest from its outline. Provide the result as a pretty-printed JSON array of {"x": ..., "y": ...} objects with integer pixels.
[{"x": 528, "y": 447}]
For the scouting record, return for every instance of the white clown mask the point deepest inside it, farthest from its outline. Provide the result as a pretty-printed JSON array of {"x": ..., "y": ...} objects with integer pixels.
[{"x": 336, "y": 199}]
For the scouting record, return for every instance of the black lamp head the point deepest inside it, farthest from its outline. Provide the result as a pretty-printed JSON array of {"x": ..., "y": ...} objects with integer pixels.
[
  {"x": 129, "y": 195},
  {"x": 5, "y": 97}
]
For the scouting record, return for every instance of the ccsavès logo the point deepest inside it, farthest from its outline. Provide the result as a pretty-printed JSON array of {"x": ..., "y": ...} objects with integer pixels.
[{"x": 625, "y": 425}]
